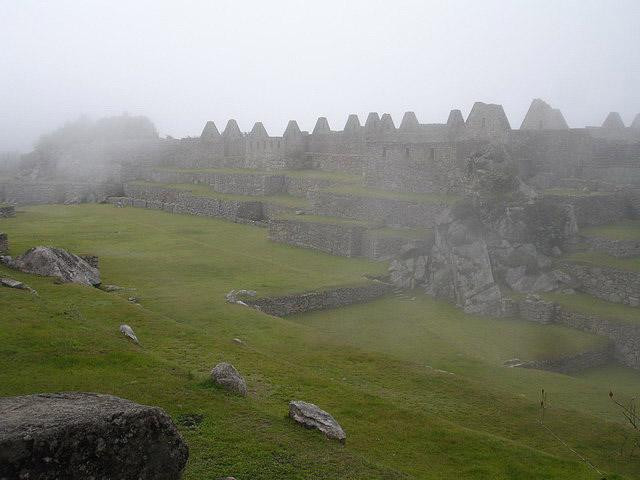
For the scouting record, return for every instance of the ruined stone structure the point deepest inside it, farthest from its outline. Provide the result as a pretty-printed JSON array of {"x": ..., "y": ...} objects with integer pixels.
[{"x": 386, "y": 190}]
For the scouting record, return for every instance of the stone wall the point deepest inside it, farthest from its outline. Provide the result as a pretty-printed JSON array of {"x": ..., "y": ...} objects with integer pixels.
[
  {"x": 596, "y": 209},
  {"x": 7, "y": 211},
  {"x": 615, "y": 248},
  {"x": 386, "y": 211},
  {"x": 37, "y": 193},
  {"x": 617, "y": 286},
  {"x": 183, "y": 202},
  {"x": 4, "y": 244},
  {"x": 573, "y": 363},
  {"x": 625, "y": 336},
  {"x": 534, "y": 309},
  {"x": 420, "y": 168},
  {"x": 320, "y": 300},
  {"x": 335, "y": 238},
  {"x": 233, "y": 183},
  {"x": 299, "y": 186}
]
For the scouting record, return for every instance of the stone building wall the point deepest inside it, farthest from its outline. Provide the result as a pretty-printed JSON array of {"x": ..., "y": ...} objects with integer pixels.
[
  {"x": 386, "y": 211},
  {"x": 596, "y": 209},
  {"x": 420, "y": 168},
  {"x": 320, "y": 300},
  {"x": 616, "y": 286},
  {"x": 334, "y": 238}
]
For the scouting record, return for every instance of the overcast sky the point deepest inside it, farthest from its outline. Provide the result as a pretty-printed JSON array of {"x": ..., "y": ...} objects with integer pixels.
[{"x": 185, "y": 62}]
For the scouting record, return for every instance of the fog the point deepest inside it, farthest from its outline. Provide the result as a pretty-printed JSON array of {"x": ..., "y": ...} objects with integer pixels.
[{"x": 183, "y": 63}]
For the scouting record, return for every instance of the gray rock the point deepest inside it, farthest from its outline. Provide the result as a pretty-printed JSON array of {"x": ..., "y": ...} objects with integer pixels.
[
  {"x": 11, "y": 283},
  {"x": 311, "y": 416},
  {"x": 127, "y": 331},
  {"x": 55, "y": 262},
  {"x": 87, "y": 435},
  {"x": 226, "y": 375}
]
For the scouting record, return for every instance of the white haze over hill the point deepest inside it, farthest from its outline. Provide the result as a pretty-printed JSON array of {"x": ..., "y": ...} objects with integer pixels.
[{"x": 182, "y": 63}]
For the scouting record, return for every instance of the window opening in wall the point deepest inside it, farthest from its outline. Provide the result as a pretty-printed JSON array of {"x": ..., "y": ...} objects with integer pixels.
[
  {"x": 384, "y": 152},
  {"x": 406, "y": 152},
  {"x": 432, "y": 154},
  {"x": 484, "y": 122}
]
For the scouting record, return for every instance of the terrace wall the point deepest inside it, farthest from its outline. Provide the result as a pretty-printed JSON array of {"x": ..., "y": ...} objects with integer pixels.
[
  {"x": 334, "y": 238},
  {"x": 386, "y": 211},
  {"x": 615, "y": 248},
  {"x": 320, "y": 300},
  {"x": 613, "y": 285},
  {"x": 625, "y": 336},
  {"x": 37, "y": 193}
]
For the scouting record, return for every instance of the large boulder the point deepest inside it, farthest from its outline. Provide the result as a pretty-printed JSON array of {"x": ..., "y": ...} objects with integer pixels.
[
  {"x": 87, "y": 435},
  {"x": 311, "y": 416},
  {"x": 460, "y": 269},
  {"x": 226, "y": 375},
  {"x": 55, "y": 262}
]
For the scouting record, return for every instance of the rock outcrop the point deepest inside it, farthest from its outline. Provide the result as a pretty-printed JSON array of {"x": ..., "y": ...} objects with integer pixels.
[
  {"x": 226, "y": 375},
  {"x": 55, "y": 262},
  {"x": 87, "y": 435},
  {"x": 311, "y": 416},
  {"x": 460, "y": 269}
]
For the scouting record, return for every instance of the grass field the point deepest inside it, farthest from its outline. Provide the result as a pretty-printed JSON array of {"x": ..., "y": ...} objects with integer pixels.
[{"x": 417, "y": 385}]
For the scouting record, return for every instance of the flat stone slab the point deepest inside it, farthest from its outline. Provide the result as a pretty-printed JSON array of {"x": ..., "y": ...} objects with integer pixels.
[
  {"x": 87, "y": 435},
  {"x": 311, "y": 416}
]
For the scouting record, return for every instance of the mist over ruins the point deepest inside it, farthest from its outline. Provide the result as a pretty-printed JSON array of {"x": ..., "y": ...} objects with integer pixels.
[{"x": 378, "y": 298}]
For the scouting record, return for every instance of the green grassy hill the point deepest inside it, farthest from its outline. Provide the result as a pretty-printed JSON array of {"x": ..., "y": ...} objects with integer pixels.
[{"x": 417, "y": 385}]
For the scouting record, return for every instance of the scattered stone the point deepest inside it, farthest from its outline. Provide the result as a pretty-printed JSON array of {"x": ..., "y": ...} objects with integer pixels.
[
  {"x": 238, "y": 341},
  {"x": 134, "y": 300},
  {"x": 127, "y": 331},
  {"x": 87, "y": 435},
  {"x": 311, "y": 416},
  {"x": 226, "y": 375},
  {"x": 11, "y": 283},
  {"x": 55, "y": 262},
  {"x": 556, "y": 252},
  {"x": 299, "y": 212}
]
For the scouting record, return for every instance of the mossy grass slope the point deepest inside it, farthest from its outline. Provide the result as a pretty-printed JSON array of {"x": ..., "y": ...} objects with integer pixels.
[{"x": 417, "y": 385}]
